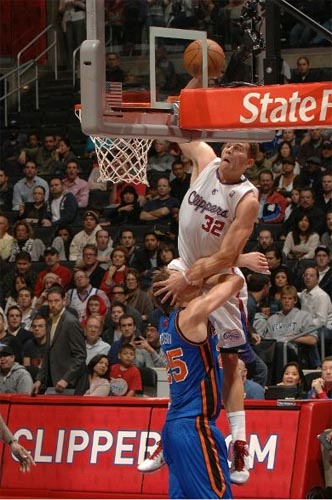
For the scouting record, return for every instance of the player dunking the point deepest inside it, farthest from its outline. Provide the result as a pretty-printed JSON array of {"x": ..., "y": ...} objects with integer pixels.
[
  {"x": 216, "y": 218},
  {"x": 194, "y": 448}
]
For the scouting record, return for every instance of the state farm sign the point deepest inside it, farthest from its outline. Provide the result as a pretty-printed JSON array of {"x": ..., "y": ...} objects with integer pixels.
[{"x": 275, "y": 106}]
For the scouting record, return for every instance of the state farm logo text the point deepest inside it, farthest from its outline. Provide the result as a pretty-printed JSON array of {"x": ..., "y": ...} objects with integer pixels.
[{"x": 295, "y": 109}]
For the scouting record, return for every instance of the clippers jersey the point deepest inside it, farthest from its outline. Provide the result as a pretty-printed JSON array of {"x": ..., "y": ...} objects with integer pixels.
[
  {"x": 194, "y": 376},
  {"x": 207, "y": 211}
]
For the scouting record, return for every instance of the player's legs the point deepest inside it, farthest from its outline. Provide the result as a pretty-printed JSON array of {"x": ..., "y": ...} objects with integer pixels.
[
  {"x": 196, "y": 454},
  {"x": 229, "y": 322}
]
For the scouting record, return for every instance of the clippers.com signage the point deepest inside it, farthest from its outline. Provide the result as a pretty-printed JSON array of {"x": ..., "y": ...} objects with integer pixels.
[
  {"x": 306, "y": 105},
  {"x": 90, "y": 449}
]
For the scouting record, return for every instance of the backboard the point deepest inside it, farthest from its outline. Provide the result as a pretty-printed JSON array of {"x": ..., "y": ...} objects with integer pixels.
[{"x": 154, "y": 69}]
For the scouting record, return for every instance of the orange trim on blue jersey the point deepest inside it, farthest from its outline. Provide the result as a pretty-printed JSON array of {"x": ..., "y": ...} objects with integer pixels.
[
  {"x": 211, "y": 456},
  {"x": 182, "y": 335},
  {"x": 209, "y": 390}
]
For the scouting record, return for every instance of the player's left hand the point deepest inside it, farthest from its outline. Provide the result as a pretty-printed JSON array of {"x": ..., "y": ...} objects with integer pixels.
[
  {"x": 23, "y": 455},
  {"x": 257, "y": 262},
  {"x": 172, "y": 287}
]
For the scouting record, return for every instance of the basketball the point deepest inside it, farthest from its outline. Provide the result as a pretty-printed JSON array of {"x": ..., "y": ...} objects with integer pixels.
[{"x": 193, "y": 57}]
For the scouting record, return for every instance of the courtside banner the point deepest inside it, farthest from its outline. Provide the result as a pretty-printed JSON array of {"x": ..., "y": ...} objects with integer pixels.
[
  {"x": 95, "y": 448},
  {"x": 305, "y": 105}
]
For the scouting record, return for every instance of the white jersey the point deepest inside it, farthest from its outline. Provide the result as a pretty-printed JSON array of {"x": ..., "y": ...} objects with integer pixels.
[{"x": 207, "y": 211}]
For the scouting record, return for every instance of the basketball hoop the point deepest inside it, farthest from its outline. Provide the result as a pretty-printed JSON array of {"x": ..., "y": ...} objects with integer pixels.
[{"x": 121, "y": 159}]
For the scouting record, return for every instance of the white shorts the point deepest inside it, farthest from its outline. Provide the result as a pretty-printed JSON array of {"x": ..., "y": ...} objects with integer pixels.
[{"x": 230, "y": 319}]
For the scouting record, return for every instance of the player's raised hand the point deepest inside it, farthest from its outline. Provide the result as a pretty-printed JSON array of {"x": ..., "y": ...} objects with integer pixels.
[
  {"x": 255, "y": 261},
  {"x": 172, "y": 287}
]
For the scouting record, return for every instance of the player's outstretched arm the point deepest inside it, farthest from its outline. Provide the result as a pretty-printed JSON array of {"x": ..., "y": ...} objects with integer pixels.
[
  {"x": 200, "y": 153},
  {"x": 193, "y": 319},
  {"x": 233, "y": 243},
  {"x": 230, "y": 250},
  {"x": 255, "y": 261}
]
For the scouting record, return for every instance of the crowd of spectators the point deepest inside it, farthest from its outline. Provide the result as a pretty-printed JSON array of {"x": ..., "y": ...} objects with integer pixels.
[
  {"x": 53, "y": 233},
  {"x": 69, "y": 261}
]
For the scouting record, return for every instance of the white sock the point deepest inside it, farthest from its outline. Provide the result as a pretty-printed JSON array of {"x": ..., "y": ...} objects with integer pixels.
[{"x": 237, "y": 424}]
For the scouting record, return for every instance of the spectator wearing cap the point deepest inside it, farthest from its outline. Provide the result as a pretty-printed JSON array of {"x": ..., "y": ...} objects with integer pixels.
[
  {"x": 326, "y": 155},
  {"x": 87, "y": 235},
  {"x": 75, "y": 185},
  {"x": 23, "y": 189},
  {"x": 323, "y": 264},
  {"x": 325, "y": 201},
  {"x": 152, "y": 345},
  {"x": 51, "y": 256},
  {"x": 272, "y": 205},
  {"x": 311, "y": 145},
  {"x": 12, "y": 147},
  {"x": 14, "y": 378},
  {"x": 285, "y": 182},
  {"x": 62, "y": 206},
  {"x": 311, "y": 176}
]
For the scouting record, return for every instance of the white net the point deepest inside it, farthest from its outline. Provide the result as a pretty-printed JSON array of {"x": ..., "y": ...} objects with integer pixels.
[{"x": 121, "y": 159}]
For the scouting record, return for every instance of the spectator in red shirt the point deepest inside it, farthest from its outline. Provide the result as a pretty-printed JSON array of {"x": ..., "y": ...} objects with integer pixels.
[
  {"x": 321, "y": 388},
  {"x": 272, "y": 205},
  {"x": 125, "y": 377},
  {"x": 51, "y": 256},
  {"x": 117, "y": 271}
]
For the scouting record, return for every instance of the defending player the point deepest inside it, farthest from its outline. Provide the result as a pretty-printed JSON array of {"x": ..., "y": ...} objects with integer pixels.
[{"x": 194, "y": 448}]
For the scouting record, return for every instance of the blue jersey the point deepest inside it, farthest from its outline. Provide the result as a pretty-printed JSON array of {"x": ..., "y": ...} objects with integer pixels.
[{"x": 194, "y": 375}]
